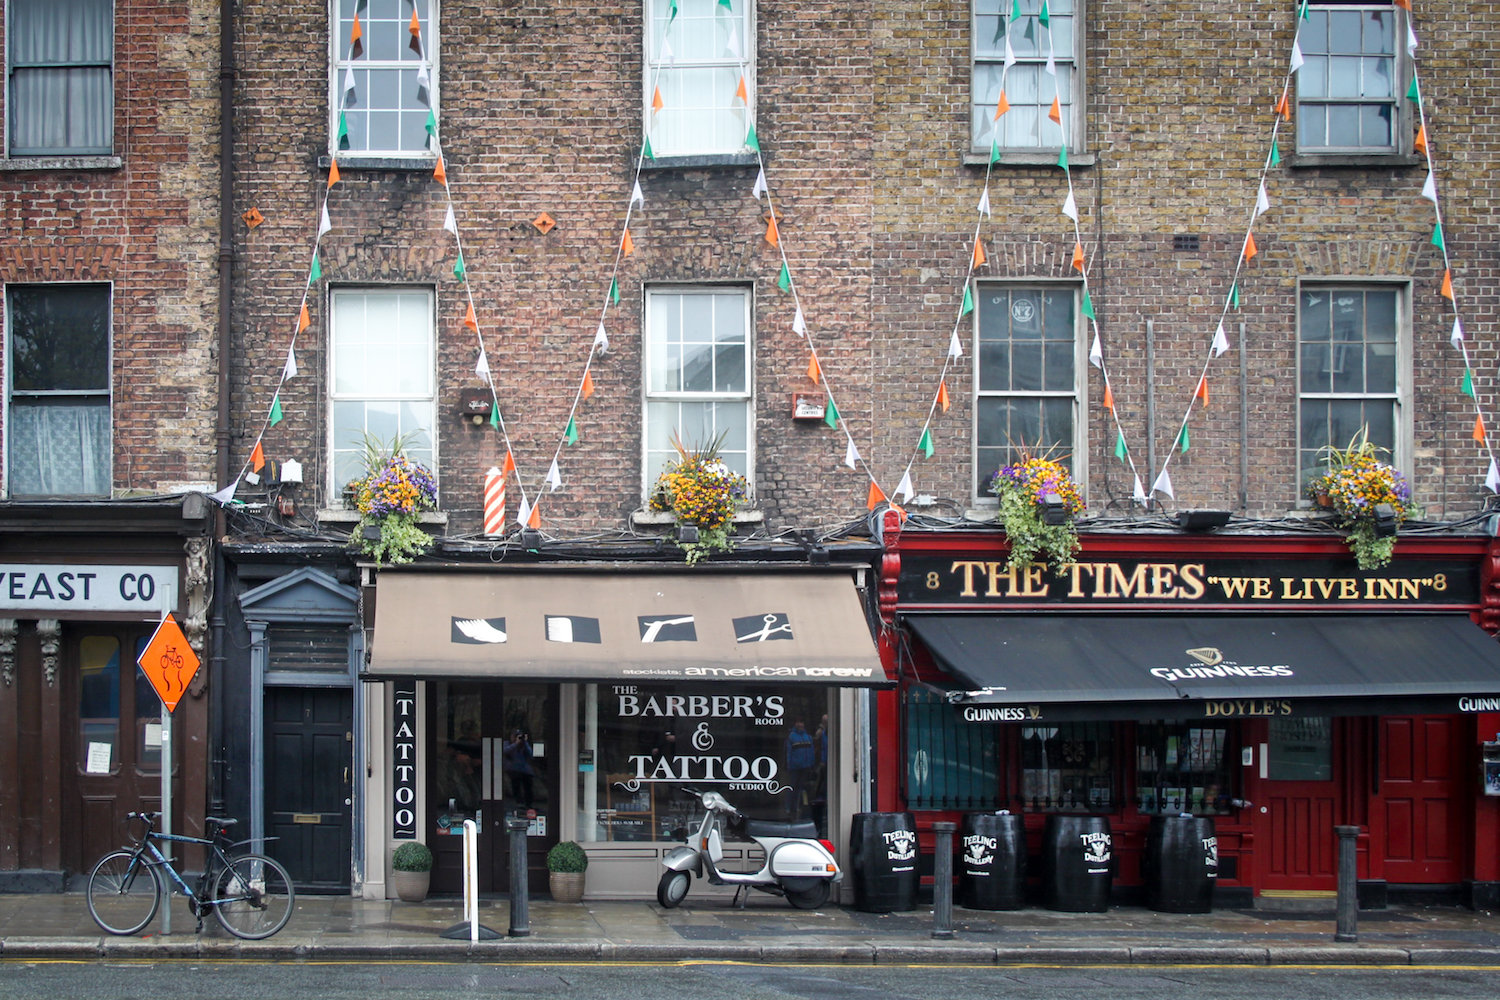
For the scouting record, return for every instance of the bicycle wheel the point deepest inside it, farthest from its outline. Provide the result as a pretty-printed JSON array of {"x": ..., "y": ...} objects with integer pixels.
[
  {"x": 254, "y": 897},
  {"x": 124, "y": 892}
]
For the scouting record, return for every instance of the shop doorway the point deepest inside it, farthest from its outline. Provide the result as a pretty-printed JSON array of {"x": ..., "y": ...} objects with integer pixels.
[
  {"x": 309, "y": 787},
  {"x": 1298, "y": 805},
  {"x": 1420, "y": 799},
  {"x": 494, "y": 754}
]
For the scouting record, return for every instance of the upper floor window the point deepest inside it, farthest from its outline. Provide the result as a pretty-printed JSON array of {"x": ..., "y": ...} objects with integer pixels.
[
  {"x": 382, "y": 379},
  {"x": 1349, "y": 86},
  {"x": 58, "y": 422},
  {"x": 696, "y": 61},
  {"x": 394, "y": 80},
  {"x": 1351, "y": 361},
  {"x": 1029, "y": 84},
  {"x": 698, "y": 376},
  {"x": 1027, "y": 384},
  {"x": 60, "y": 67}
]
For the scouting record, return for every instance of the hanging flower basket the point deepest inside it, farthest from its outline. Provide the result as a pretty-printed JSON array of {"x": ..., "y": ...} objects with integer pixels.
[
  {"x": 701, "y": 492},
  {"x": 389, "y": 498},
  {"x": 1369, "y": 499},
  {"x": 1039, "y": 502}
]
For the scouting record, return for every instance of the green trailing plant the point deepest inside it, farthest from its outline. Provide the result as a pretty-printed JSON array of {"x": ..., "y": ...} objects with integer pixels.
[
  {"x": 412, "y": 856},
  {"x": 566, "y": 856},
  {"x": 700, "y": 490},
  {"x": 1021, "y": 489}
]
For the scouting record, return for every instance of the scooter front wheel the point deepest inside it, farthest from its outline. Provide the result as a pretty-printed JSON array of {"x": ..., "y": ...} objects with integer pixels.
[{"x": 673, "y": 888}]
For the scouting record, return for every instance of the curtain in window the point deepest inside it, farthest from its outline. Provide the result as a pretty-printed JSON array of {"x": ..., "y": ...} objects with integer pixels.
[
  {"x": 59, "y": 450},
  {"x": 62, "y": 97}
]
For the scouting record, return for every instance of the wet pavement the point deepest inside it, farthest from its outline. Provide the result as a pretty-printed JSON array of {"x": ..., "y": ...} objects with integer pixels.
[{"x": 768, "y": 930}]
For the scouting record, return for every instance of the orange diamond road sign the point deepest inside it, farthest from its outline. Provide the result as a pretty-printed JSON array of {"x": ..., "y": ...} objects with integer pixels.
[{"x": 168, "y": 662}]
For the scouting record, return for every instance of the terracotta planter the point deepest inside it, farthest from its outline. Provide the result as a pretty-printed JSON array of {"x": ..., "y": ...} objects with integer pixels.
[
  {"x": 567, "y": 887},
  {"x": 411, "y": 887}
]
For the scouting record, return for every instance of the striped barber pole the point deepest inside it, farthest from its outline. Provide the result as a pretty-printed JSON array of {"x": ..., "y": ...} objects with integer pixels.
[{"x": 494, "y": 503}]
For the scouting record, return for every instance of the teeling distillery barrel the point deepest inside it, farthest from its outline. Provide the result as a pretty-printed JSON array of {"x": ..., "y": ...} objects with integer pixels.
[
  {"x": 883, "y": 858},
  {"x": 1181, "y": 864},
  {"x": 992, "y": 861},
  {"x": 1077, "y": 863}
]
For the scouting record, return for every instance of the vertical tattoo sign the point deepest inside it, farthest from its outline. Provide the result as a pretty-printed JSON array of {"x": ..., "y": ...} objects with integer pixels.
[{"x": 404, "y": 762}]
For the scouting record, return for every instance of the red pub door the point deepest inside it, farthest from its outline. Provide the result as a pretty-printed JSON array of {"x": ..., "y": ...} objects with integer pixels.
[
  {"x": 1421, "y": 799},
  {"x": 1296, "y": 806}
]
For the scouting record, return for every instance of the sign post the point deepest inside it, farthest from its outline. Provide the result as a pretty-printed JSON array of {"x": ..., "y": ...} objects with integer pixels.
[{"x": 170, "y": 664}]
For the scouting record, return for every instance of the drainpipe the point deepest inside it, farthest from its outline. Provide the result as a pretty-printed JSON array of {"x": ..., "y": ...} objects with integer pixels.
[{"x": 227, "y": 78}]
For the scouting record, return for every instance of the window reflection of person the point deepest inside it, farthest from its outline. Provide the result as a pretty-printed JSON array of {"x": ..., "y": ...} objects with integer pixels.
[
  {"x": 460, "y": 772},
  {"x": 801, "y": 766},
  {"x": 518, "y": 769}
]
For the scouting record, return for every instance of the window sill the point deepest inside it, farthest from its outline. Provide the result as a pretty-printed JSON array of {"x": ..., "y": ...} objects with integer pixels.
[
  {"x": 395, "y": 164},
  {"x": 1028, "y": 158},
  {"x": 701, "y": 160},
  {"x": 647, "y": 518},
  {"x": 348, "y": 515},
  {"x": 1352, "y": 160},
  {"x": 19, "y": 163}
]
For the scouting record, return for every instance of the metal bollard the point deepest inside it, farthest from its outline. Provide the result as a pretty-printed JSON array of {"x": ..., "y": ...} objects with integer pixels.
[
  {"x": 520, "y": 918},
  {"x": 942, "y": 880},
  {"x": 1346, "y": 928}
]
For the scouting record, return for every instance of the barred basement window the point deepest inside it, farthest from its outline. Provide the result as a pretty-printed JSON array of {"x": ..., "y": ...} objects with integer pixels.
[
  {"x": 950, "y": 764},
  {"x": 1068, "y": 768},
  {"x": 1182, "y": 768}
]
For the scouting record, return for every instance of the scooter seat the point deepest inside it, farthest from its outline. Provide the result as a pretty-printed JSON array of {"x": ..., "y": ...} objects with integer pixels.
[{"x": 805, "y": 830}]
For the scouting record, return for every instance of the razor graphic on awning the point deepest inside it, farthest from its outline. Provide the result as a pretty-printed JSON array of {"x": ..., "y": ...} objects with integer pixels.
[{"x": 679, "y": 629}]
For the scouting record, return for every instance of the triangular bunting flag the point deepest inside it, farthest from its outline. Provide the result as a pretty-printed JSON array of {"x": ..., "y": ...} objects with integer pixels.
[
  {"x": 955, "y": 345},
  {"x": 772, "y": 236},
  {"x": 656, "y": 102},
  {"x": 1456, "y": 338},
  {"x": 1002, "y": 105},
  {"x": 415, "y": 27},
  {"x": 1492, "y": 478},
  {"x": 1010, "y": 52},
  {"x": 1096, "y": 352},
  {"x": 1163, "y": 484},
  {"x": 258, "y": 457},
  {"x": 1447, "y": 290},
  {"x": 1284, "y": 107},
  {"x": 1296, "y": 55},
  {"x": 1479, "y": 428},
  {"x": 316, "y": 271},
  {"x": 227, "y": 493},
  {"x": 1221, "y": 342},
  {"x": 333, "y": 172},
  {"x": 751, "y": 142},
  {"x": 1109, "y": 397},
  {"x": 637, "y": 196},
  {"x": 349, "y": 84},
  {"x": 1043, "y": 18},
  {"x": 1070, "y": 206},
  {"x": 290, "y": 369},
  {"x": 1139, "y": 492},
  {"x": 554, "y": 477},
  {"x": 510, "y": 464},
  {"x": 994, "y": 151},
  {"x": 627, "y": 245},
  {"x": 482, "y": 366},
  {"x": 1275, "y": 158},
  {"x": 459, "y": 271},
  {"x": 1088, "y": 305},
  {"x": 1250, "y": 248},
  {"x": 984, "y": 202},
  {"x": 1420, "y": 142},
  {"x": 851, "y": 454},
  {"x": 760, "y": 185},
  {"x": 784, "y": 279},
  {"x": 814, "y": 370},
  {"x": 534, "y": 516},
  {"x": 1062, "y": 158},
  {"x": 1414, "y": 92},
  {"x": 570, "y": 435},
  {"x": 1202, "y": 391},
  {"x": 741, "y": 92},
  {"x": 324, "y": 223},
  {"x": 942, "y": 395},
  {"x": 524, "y": 513},
  {"x": 601, "y": 340},
  {"x": 303, "y": 319},
  {"x": 431, "y": 126},
  {"x": 614, "y": 291},
  {"x": 831, "y": 414},
  {"x": 1120, "y": 450},
  {"x": 979, "y": 258},
  {"x": 1429, "y": 188},
  {"x": 904, "y": 489},
  {"x": 1262, "y": 200},
  {"x": 356, "y": 33},
  {"x": 799, "y": 325},
  {"x": 1078, "y": 257},
  {"x": 1411, "y": 40},
  {"x": 470, "y": 320},
  {"x": 925, "y": 443},
  {"x": 1468, "y": 385},
  {"x": 276, "y": 415},
  {"x": 875, "y": 497},
  {"x": 1234, "y": 295},
  {"x": 968, "y": 303},
  {"x": 1182, "y": 439},
  {"x": 646, "y": 149},
  {"x": 1056, "y": 111},
  {"x": 1437, "y": 235},
  {"x": 494, "y": 409},
  {"x": 588, "y": 383},
  {"x": 440, "y": 173}
]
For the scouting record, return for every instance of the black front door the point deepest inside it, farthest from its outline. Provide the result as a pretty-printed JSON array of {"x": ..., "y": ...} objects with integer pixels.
[
  {"x": 309, "y": 785},
  {"x": 493, "y": 755}
]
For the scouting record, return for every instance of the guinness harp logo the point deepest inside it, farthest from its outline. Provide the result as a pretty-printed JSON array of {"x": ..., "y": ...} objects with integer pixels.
[{"x": 1206, "y": 655}]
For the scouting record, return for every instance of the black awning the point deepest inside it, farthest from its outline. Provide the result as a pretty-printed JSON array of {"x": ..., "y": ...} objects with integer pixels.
[{"x": 1061, "y": 667}]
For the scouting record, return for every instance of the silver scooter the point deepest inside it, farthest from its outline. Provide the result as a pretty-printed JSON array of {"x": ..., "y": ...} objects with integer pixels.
[{"x": 797, "y": 865}]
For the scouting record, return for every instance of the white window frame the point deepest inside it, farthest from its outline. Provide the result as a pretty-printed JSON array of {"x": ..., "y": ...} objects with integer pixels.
[
  {"x": 107, "y": 393},
  {"x": 1077, "y": 457},
  {"x": 680, "y": 77},
  {"x": 380, "y": 357},
  {"x": 341, "y": 13},
  {"x": 1399, "y": 397},
  {"x": 987, "y": 69},
  {"x": 665, "y": 296},
  {"x": 1312, "y": 78},
  {"x": 12, "y": 67}
]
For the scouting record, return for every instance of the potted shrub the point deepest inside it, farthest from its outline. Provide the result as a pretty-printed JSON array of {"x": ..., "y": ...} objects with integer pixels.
[
  {"x": 1369, "y": 498},
  {"x": 411, "y": 870},
  {"x": 702, "y": 494},
  {"x": 566, "y": 863},
  {"x": 1038, "y": 504}
]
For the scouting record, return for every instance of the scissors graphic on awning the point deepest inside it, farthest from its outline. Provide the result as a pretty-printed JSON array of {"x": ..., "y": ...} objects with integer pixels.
[{"x": 780, "y": 622}]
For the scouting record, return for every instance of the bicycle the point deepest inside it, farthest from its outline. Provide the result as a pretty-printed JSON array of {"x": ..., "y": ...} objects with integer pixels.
[{"x": 250, "y": 894}]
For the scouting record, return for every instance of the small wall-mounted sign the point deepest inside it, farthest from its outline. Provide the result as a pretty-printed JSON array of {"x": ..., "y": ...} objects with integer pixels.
[
  {"x": 474, "y": 404},
  {"x": 808, "y": 406}
]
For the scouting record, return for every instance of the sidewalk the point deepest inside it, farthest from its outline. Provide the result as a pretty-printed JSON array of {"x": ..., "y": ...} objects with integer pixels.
[{"x": 767, "y": 930}]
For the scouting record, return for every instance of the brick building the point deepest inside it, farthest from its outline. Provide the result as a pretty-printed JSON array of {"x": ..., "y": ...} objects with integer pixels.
[{"x": 108, "y": 241}]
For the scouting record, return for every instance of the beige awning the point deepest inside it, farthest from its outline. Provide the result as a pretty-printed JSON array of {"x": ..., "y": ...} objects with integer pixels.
[{"x": 644, "y": 627}]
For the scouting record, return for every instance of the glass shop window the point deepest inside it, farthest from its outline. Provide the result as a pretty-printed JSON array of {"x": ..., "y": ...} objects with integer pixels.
[
  {"x": 763, "y": 749},
  {"x": 1068, "y": 768},
  {"x": 1300, "y": 749},
  {"x": 1182, "y": 768}
]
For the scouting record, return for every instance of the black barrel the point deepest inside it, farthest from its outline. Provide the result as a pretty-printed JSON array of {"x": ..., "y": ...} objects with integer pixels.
[
  {"x": 883, "y": 858},
  {"x": 1077, "y": 863},
  {"x": 992, "y": 861},
  {"x": 1181, "y": 864}
]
